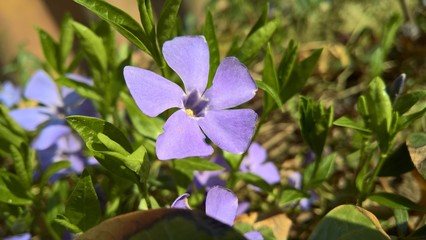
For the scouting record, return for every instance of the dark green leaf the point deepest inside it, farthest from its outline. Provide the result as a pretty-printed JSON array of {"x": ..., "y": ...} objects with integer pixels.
[
  {"x": 271, "y": 93},
  {"x": 417, "y": 140},
  {"x": 210, "y": 35},
  {"x": 291, "y": 195},
  {"x": 19, "y": 163},
  {"x": 166, "y": 27},
  {"x": 299, "y": 76},
  {"x": 397, "y": 163},
  {"x": 255, "y": 42},
  {"x": 66, "y": 40},
  {"x": 120, "y": 20},
  {"x": 394, "y": 201},
  {"x": 406, "y": 120},
  {"x": 197, "y": 164},
  {"x": 270, "y": 83},
  {"x": 349, "y": 123},
  {"x": 50, "y": 48},
  {"x": 324, "y": 172},
  {"x": 92, "y": 46},
  {"x": 12, "y": 191},
  {"x": 82, "y": 89},
  {"x": 262, "y": 19},
  {"x": 419, "y": 234},
  {"x": 254, "y": 179},
  {"x": 347, "y": 222},
  {"x": 406, "y": 101},
  {"x": 287, "y": 65},
  {"x": 83, "y": 208},
  {"x": 52, "y": 169},
  {"x": 401, "y": 217},
  {"x": 89, "y": 127}
]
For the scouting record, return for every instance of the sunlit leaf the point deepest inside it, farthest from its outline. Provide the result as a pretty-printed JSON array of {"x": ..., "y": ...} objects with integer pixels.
[{"x": 12, "y": 191}]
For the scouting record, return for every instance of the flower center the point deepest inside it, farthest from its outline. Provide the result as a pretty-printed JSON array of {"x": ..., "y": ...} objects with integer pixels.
[{"x": 195, "y": 105}]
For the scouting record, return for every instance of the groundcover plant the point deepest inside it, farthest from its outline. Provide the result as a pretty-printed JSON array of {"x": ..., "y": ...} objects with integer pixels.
[{"x": 244, "y": 120}]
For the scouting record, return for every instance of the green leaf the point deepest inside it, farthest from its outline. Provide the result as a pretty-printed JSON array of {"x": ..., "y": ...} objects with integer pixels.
[
  {"x": 255, "y": 180},
  {"x": 397, "y": 163},
  {"x": 64, "y": 221},
  {"x": 290, "y": 195},
  {"x": 166, "y": 27},
  {"x": 82, "y": 89},
  {"x": 89, "y": 127},
  {"x": 210, "y": 35},
  {"x": 11, "y": 124},
  {"x": 9, "y": 136},
  {"x": 348, "y": 222},
  {"x": 379, "y": 108},
  {"x": 394, "y": 201},
  {"x": 287, "y": 65},
  {"x": 389, "y": 32},
  {"x": 349, "y": 123},
  {"x": 255, "y": 42},
  {"x": 324, "y": 172},
  {"x": 406, "y": 120},
  {"x": 12, "y": 191},
  {"x": 111, "y": 144},
  {"x": 52, "y": 169},
  {"x": 19, "y": 161},
  {"x": 139, "y": 163},
  {"x": 405, "y": 102},
  {"x": 262, "y": 19},
  {"x": 299, "y": 76},
  {"x": 83, "y": 208},
  {"x": 92, "y": 46},
  {"x": 50, "y": 48},
  {"x": 66, "y": 41},
  {"x": 270, "y": 80},
  {"x": 120, "y": 20},
  {"x": 315, "y": 121},
  {"x": 147, "y": 18},
  {"x": 401, "y": 218}
]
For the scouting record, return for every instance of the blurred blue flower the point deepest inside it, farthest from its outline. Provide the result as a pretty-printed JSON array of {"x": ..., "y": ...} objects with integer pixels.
[
  {"x": 56, "y": 140},
  {"x": 10, "y": 95},
  {"x": 255, "y": 162},
  {"x": 221, "y": 204},
  {"x": 23, "y": 236},
  {"x": 201, "y": 112},
  {"x": 209, "y": 179},
  {"x": 295, "y": 179}
]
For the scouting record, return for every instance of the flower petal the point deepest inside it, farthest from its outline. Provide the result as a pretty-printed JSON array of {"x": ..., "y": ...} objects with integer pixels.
[
  {"x": 182, "y": 138},
  {"x": 230, "y": 130},
  {"x": 269, "y": 172},
  {"x": 189, "y": 57},
  {"x": 253, "y": 235},
  {"x": 152, "y": 93},
  {"x": 43, "y": 89},
  {"x": 181, "y": 202},
  {"x": 295, "y": 180},
  {"x": 255, "y": 157},
  {"x": 221, "y": 204},
  {"x": 30, "y": 118},
  {"x": 49, "y": 136},
  {"x": 232, "y": 85},
  {"x": 10, "y": 95}
]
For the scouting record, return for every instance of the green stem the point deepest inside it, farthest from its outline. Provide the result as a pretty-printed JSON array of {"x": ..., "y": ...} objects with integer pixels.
[{"x": 373, "y": 177}]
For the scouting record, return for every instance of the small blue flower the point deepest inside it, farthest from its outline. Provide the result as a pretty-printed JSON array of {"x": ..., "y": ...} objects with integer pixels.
[{"x": 10, "y": 95}]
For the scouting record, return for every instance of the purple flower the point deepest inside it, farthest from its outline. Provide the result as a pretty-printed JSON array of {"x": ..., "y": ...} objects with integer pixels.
[
  {"x": 56, "y": 141},
  {"x": 209, "y": 179},
  {"x": 221, "y": 204},
  {"x": 23, "y": 236},
  {"x": 255, "y": 163},
  {"x": 295, "y": 180},
  {"x": 10, "y": 94},
  {"x": 229, "y": 129}
]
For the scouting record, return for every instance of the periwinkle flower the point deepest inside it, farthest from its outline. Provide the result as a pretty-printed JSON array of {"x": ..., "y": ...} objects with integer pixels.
[
  {"x": 23, "y": 236},
  {"x": 56, "y": 141},
  {"x": 255, "y": 162},
  {"x": 10, "y": 94},
  {"x": 209, "y": 179},
  {"x": 295, "y": 179},
  {"x": 200, "y": 110},
  {"x": 221, "y": 204}
]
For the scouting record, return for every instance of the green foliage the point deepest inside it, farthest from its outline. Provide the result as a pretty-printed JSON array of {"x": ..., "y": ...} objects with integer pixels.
[
  {"x": 166, "y": 28},
  {"x": 13, "y": 192},
  {"x": 210, "y": 35},
  {"x": 291, "y": 195},
  {"x": 394, "y": 201},
  {"x": 318, "y": 172}
]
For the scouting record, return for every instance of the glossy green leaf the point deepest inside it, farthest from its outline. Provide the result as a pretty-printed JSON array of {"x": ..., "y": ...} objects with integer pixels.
[
  {"x": 406, "y": 101},
  {"x": 166, "y": 27},
  {"x": 66, "y": 41},
  {"x": 12, "y": 191},
  {"x": 348, "y": 222},
  {"x": 89, "y": 127},
  {"x": 82, "y": 89},
  {"x": 139, "y": 162},
  {"x": 210, "y": 35},
  {"x": 83, "y": 208},
  {"x": 291, "y": 195},
  {"x": 325, "y": 170},
  {"x": 92, "y": 46},
  {"x": 120, "y": 20},
  {"x": 299, "y": 76},
  {"x": 255, "y": 42},
  {"x": 254, "y": 179},
  {"x": 52, "y": 169},
  {"x": 50, "y": 48},
  {"x": 111, "y": 144},
  {"x": 397, "y": 163},
  {"x": 167, "y": 224},
  {"x": 270, "y": 83},
  {"x": 394, "y": 201},
  {"x": 349, "y": 123}
]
